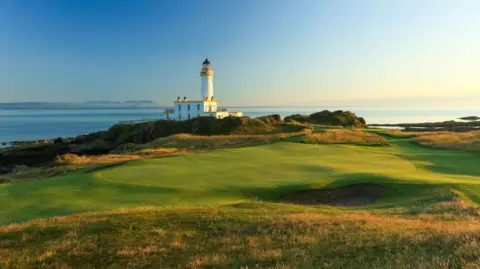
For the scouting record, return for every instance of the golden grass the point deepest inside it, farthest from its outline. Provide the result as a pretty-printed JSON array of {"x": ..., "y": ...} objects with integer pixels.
[
  {"x": 224, "y": 237},
  {"x": 397, "y": 133},
  {"x": 73, "y": 159},
  {"x": 344, "y": 136},
  {"x": 468, "y": 141},
  {"x": 197, "y": 142},
  {"x": 23, "y": 172}
]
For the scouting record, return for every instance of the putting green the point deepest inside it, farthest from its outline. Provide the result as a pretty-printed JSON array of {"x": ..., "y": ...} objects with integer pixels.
[{"x": 228, "y": 176}]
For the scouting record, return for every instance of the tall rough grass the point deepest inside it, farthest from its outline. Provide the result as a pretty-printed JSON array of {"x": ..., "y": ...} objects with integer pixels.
[
  {"x": 344, "y": 136},
  {"x": 197, "y": 142},
  {"x": 249, "y": 236},
  {"x": 468, "y": 141}
]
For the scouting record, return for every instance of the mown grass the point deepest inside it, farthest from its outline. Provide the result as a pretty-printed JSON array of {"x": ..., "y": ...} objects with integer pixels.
[
  {"x": 225, "y": 176},
  {"x": 245, "y": 235}
]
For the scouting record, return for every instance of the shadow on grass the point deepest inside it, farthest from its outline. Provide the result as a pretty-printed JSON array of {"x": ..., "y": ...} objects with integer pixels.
[
  {"x": 442, "y": 161},
  {"x": 396, "y": 193},
  {"x": 104, "y": 167}
]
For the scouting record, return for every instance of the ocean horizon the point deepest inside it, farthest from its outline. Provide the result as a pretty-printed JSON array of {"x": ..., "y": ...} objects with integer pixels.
[{"x": 37, "y": 124}]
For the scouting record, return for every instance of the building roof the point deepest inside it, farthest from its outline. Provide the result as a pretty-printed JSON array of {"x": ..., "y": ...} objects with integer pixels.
[
  {"x": 181, "y": 101},
  {"x": 206, "y": 61}
]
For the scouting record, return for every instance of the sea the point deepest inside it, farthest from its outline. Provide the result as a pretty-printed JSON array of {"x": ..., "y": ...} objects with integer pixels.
[{"x": 37, "y": 124}]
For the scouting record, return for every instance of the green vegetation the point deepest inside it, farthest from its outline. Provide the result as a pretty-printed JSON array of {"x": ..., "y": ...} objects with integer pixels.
[
  {"x": 226, "y": 176},
  {"x": 336, "y": 118},
  {"x": 221, "y": 208}
]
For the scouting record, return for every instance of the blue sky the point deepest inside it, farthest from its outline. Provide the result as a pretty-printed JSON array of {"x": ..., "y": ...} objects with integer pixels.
[{"x": 267, "y": 52}]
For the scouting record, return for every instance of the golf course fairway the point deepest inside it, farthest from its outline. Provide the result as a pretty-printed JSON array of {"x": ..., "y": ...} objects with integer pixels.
[{"x": 255, "y": 174}]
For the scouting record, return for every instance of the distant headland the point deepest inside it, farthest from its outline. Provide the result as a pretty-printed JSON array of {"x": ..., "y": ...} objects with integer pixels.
[
  {"x": 470, "y": 118},
  {"x": 86, "y": 105}
]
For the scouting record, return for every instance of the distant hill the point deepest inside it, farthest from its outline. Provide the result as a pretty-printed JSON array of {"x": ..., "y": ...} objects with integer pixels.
[
  {"x": 86, "y": 105},
  {"x": 470, "y": 118}
]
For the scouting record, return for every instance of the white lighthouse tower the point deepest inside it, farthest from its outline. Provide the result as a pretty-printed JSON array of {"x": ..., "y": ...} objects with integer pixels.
[
  {"x": 184, "y": 109},
  {"x": 207, "y": 81}
]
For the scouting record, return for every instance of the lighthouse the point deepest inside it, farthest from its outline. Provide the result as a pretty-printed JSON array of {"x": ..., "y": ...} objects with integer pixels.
[
  {"x": 185, "y": 109},
  {"x": 207, "y": 81}
]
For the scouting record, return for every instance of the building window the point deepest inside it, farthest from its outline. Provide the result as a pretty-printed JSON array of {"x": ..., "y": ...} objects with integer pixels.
[
  {"x": 188, "y": 107},
  {"x": 198, "y": 107},
  {"x": 179, "y": 107}
]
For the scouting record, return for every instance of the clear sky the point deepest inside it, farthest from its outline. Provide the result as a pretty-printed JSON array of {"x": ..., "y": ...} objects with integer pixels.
[{"x": 263, "y": 52}]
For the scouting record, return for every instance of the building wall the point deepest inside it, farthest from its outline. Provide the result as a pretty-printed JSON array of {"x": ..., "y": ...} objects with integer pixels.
[
  {"x": 221, "y": 114},
  {"x": 235, "y": 114},
  {"x": 192, "y": 109}
]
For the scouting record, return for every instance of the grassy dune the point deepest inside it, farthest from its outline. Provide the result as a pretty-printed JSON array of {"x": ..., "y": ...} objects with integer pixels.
[
  {"x": 198, "y": 142},
  {"x": 466, "y": 141},
  {"x": 217, "y": 209},
  {"x": 343, "y": 136},
  {"x": 469, "y": 141}
]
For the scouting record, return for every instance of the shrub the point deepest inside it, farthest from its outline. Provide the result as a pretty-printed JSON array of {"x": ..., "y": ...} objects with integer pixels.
[
  {"x": 297, "y": 118},
  {"x": 337, "y": 118}
]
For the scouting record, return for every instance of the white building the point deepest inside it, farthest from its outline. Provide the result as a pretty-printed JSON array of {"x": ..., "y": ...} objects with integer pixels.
[{"x": 184, "y": 109}]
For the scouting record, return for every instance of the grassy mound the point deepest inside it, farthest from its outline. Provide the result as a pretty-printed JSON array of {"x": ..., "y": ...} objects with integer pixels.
[
  {"x": 465, "y": 141},
  {"x": 197, "y": 142},
  {"x": 468, "y": 141},
  {"x": 343, "y": 136},
  {"x": 149, "y": 131},
  {"x": 325, "y": 117}
]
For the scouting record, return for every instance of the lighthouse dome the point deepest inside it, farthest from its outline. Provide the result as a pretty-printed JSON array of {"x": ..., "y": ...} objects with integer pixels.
[{"x": 206, "y": 61}]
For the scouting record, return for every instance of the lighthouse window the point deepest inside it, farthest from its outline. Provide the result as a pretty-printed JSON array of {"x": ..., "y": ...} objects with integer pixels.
[
  {"x": 179, "y": 107},
  {"x": 198, "y": 107},
  {"x": 188, "y": 107}
]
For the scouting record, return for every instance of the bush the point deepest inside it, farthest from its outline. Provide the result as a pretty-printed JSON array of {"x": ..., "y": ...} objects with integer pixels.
[
  {"x": 337, "y": 118},
  {"x": 297, "y": 118},
  {"x": 68, "y": 158}
]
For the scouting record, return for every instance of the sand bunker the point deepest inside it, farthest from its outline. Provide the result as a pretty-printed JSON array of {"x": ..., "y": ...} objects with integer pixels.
[{"x": 352, "y": 195}]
